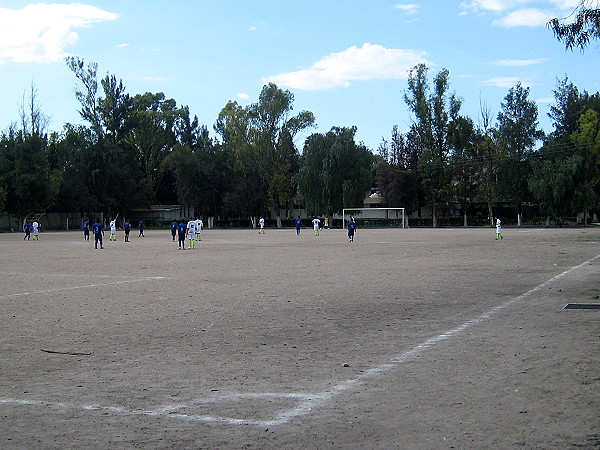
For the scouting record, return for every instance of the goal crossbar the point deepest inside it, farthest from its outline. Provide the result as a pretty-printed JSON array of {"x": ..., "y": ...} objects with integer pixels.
[{"x": 374, "y": 213}]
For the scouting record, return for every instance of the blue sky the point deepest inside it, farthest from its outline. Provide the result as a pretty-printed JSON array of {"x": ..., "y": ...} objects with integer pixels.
[{"x": 347, "y": 61}]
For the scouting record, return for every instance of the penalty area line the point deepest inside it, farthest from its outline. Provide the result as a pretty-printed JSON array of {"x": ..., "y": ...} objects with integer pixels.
[
  {"x": 85, "y": 286},
  {"x": 306, "y": 403}
]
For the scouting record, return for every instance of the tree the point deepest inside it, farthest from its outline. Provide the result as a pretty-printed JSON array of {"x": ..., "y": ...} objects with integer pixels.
[
  {"x": 582, "y": 29},
  {"x": 271, "y": 136},
  {"x": 151, "y": 135},
  {"x": 462, "y": 138},
  {"x": 114, "y": 109},
  {"x": 517, "y": 134},
  {"x": 488, "y": 160},
  {"x": 87, "y": 92},
  {"x": 563, "y": 175},
  {"x": 587, "y": 142},
  {"x": 246, "y": 196},
  {"x": 335, "y": 172},
  {"x": 433, "y": 110},
  {"x": 397, "y": 171}
]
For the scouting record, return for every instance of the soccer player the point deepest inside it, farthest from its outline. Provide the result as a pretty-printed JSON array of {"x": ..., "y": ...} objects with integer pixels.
[
  {"x": 98, "y": 233},
  {"x": 181, "y": 232},
  {"x": 261, "y": 224},
  {"x": 174, "y": 229},
  {"x": 298, "y": 225},
  {"x": 498, "y": 229},
  {"x": 316, "y": 226},
  {"x": 27, "y": 230},
  {"x": 351, "y": 229},
  {"x": 113, "y": 229},
  {"x": 141, "y": 228},
  {"x": 191, "y": 233},
  {"x": 86, "y": 230},
  {"x": 35, "y": 228},
  {"x": 199, "y": 225},
  {"x": 127, "y": 229}
]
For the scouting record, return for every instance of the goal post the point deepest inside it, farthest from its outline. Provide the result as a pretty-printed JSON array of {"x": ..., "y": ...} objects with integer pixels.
[{"x": 394, "y": 217}]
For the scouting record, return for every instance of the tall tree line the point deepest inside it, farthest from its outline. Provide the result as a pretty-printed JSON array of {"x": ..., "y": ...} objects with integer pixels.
[{"x": 134, "y": 151}]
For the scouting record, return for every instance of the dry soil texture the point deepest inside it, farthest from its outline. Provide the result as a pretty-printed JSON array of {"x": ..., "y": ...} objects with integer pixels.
[{"x": 416, "y": 339}]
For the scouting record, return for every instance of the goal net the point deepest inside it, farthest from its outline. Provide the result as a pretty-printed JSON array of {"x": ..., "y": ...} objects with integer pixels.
[{"x": 376, "y": 217}]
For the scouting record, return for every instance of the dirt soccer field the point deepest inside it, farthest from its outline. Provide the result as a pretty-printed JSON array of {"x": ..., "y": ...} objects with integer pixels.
[{"x": 412, "y": 339}]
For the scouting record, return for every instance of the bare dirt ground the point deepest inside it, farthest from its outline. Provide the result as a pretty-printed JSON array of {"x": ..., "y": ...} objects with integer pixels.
[{"x": 413, "y": 339}]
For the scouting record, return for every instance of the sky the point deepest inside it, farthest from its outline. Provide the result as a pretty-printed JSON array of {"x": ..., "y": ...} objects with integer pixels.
[{"x": 347, "y": 61}]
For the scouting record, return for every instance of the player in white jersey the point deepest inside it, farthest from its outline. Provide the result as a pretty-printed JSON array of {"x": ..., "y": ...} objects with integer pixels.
[
  {"x": 113, "y": 229},
  {"x": 36, "y": 230},
  {"x": 498, "y": 229},
  {"x": 191, "y": 233},
  {"x": 199, "y": 225},
  {"x": 316, "y": 225}
]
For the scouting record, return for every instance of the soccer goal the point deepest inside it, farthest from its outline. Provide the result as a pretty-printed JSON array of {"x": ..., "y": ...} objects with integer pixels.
[
  {"x": 33, "y": 217},
  {"x": 385, "y": 217}
]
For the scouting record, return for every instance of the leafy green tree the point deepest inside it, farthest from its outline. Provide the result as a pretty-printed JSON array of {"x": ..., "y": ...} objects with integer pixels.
[
  {"x": 335, "y": 172},
  {"x": 517, "y": 134},
  {"x": 115, "y": 109},
  {"x": 74, "y": 149},
  {"x": 397, "y": 171},
  {"x": 462, "y": 139},
  {"x": 87, "y": 92},
  {"x": 152, "y": 134},
  {"x": 271, "y": 136},
  {"x": 202, "y": 169},
  {"x": 587, "y": 142},
  {"x": 553, "y": 181},
  {"x": 433, "y": 108},
  {"x": 563, "y": 174},
  {"x": 246, "y": 196}
]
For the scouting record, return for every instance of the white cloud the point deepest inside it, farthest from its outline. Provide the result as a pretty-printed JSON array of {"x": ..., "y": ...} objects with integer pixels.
[
  {"x": 369, "y": 62},
  {"x": 243, "y": 96},
  {"x": 410, "y": 8},
  {"x": 529, "y": 17},
  {"x": 515, "y": 13},
  {"x": 504, "y": 82},
  {"x": 42, "y": 32},
  {"x": 124, "y": 45},
  {"x": 491, "y": 5},
  {"x": 519, "y": 62}
]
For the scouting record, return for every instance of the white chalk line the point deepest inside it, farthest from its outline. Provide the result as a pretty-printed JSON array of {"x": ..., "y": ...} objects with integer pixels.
[
  {"x": 85, "y": 286},
  {"x": 306, "y": 403}
]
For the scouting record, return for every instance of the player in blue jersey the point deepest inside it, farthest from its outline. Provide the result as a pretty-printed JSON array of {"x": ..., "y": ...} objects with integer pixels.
[
  {"x": 181, "y": 232},
  {"x": 27, "y": 230},
  {"x": 174, "y": 225},
  {"x": 351, "y": 229},
  {"x": 141, "y": 228},
  {"x": 86, "y": 229},
  {"x": 98, "y": 233},
  {"x": 298, "y": 225},
  {"x": 126, "y": 229}
]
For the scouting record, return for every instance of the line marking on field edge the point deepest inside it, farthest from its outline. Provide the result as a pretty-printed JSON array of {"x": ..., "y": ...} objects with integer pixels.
[
  {"x": 306, "y": 403},
  {"x": 85, "y": 286}
]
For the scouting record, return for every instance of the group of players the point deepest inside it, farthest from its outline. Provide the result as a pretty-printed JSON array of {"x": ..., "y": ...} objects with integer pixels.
[
  {"x": 98, "y": 230},
  {"x": 29, "y": 229},
  {"x": 192, "y": 229}
]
